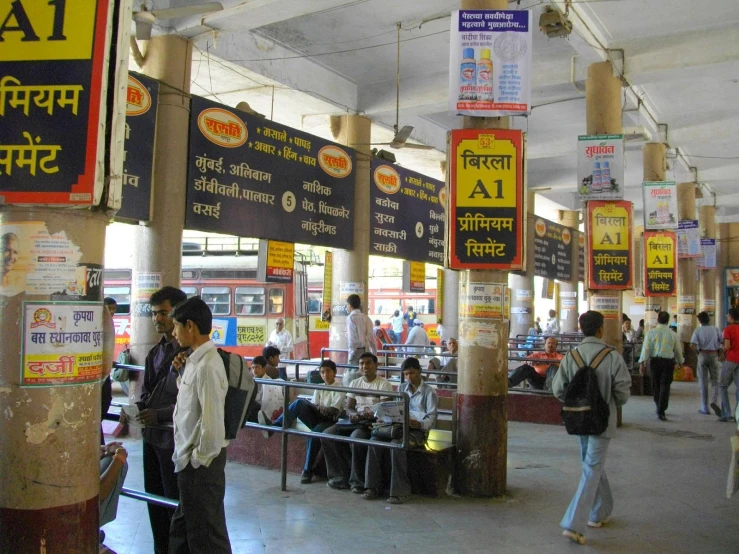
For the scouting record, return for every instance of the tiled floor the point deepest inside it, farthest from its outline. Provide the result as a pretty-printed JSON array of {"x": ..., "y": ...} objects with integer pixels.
[{"x": 668, "y": 480}]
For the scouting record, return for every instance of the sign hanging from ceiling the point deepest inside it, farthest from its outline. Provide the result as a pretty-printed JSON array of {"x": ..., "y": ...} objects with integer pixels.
[
  {"x": 486, "y": 199},
  {"x": 276, "y": 261},
  {"x": 609, "y": 236},
  {"x": 414, "y": 277},
  {"x": 407, "y": 216},
  {"x": 600, "y": 167},
  {"x": 688, "y": 239},
  {"x": 660, "y": 205},
  {"x": 251, "y": 177},
  {"x": 552, "y": 250},
  {"x": 490, "y": 62},
  {"x": 708, "y": 255},
  {"x": 51, "y": 84},
  {"x": 142, "y": 100},
  {"x": 660, "y": 263}
]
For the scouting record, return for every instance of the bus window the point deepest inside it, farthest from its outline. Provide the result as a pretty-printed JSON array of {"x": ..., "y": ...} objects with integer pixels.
[
  {"x": 190, "y": 291},
  {"x": 218, "y": 299},
  {"x": 122, "y": 295},
  {"x": 314, "y": 302},
  {"x": 420, "y": 305},
  {"x": 276, "y": 299},
  {"x": 387, "y": 306},
  {"x": 249, "y": 301}
]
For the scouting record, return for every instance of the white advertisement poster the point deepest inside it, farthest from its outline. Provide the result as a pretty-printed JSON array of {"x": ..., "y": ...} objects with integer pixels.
[
  {"x": 490, "y": 62},
  {"x": 600, "y": 167},
  {"x": 688, "y": 239},
  {"x": 660, "y": 205},
  {"x": 708, "y": 254}
]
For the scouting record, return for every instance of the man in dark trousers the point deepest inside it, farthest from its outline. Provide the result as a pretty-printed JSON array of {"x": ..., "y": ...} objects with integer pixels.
[
  {"x": 663, "y": 350},
  {"x": 158, "y": 398}
]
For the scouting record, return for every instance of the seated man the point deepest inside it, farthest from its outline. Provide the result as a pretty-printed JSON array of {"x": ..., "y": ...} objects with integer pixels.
[
  {"x": 272, "y": 355},
  {"x": 113, "y": 469},
  {"x": 539, "y": 376},
  {"x": 318, "y": 414},
  {"x": 259, "y": 370},
  {"x": 423, "y": 413},
  {"x": 345, "y": 463}
]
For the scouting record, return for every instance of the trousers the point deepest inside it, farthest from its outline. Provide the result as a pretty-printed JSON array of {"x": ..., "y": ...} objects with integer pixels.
[
  {"x": 593, "y": 499},
  {"x": 346, "y": 463},
  {"x": 527, "y": 372},
  {"x": 708, "y": 369},
  {"x": 161, "y": 479},
  {"x": 308, "y": 413},
  {"x": 662, "y": 371},
  {"x": 729, "y": 375}
]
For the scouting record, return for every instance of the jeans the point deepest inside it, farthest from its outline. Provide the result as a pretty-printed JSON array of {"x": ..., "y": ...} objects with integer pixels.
[
  {"x": 708, "y": 368},
  {"x": 593, "y": 500},
  {"x": 729, "y": 374},
  {"x": 308, "y": 413}
]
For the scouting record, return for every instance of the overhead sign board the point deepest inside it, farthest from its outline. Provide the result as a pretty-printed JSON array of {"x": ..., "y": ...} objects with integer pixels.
[
  {"x": 276, "y": 261},
  {"x": 610, "y": 235},
  {"x": 407, "y": 217},
  {"x": 251, "y": 177},
  {"x": 660, "y": 263},
  {"x": 142, "y": 101},
  {"x": 486, "y": 199},
  {"x": 553, "y": 250},
  {"x": 51, "y": 84},
  {"x": 600, "y": 167}
]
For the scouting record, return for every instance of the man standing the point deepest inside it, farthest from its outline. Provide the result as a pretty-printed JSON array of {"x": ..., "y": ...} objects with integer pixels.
[
  {"x": 663, "y": 350},
  {"x": 422, "y": 406},
  {"x": 156, "y": 406},
  {"x": 199, "y": 523},
  {"x": 358, "y": 333},
  {"x": 593, "y": 502},
  {"x": 730, "y": 367},
  {"x": 397, "y": 323},
  {"x": 552, "y": 326},
  {"x": 706, "y": 341},
  {"x": 539, "y": 376},
  {"x": 345, "y": 465},
  {"x": 281, "y": 339}
]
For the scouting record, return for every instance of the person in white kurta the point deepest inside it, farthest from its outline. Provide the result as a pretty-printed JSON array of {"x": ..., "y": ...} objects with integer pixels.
[{"x": 282, "y": 339}]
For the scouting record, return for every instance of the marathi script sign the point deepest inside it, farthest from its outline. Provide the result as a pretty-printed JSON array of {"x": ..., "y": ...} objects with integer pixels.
[
  {"x": 600, "y": 167},
  {"x": 553, "y": 250},
  {"x": 481, "y": 300},
  {"x": 62, "y": 343},
  {"x": 486, "y": 199},
  {"x": 688, "y": 239},
  {"x": 142, "y": 101},
  {"x": 660, "y": 205},
  {"x": 276, "y": 261},
  {"x": 708, "y": 254},
  {"x": 660, "y": 263},
  {"x": 252, "y": 177},
  {"x": 407, "y": 217},
  {"x": 414, "y": 277},
  {"x": 51, "y": 81},
  {"x": 609, "y": 236}
]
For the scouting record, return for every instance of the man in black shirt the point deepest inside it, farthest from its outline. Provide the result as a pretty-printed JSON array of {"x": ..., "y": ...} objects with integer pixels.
[{"x": 158, "y": 398}]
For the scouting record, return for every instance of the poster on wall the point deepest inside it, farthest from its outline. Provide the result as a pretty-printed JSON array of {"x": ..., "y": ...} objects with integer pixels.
[
  {"x": 688, "y": 239},
  {"x": 660, "y": 205},
  {"x": 610, "y": 235},
  {"x": 660, "y": 263},
  {"x": 600, "y": 167},
  {"x": 486, "y": 199},
  {"x": 490, "y": 57}
]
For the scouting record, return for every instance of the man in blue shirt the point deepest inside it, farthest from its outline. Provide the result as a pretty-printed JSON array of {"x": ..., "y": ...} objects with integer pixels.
[
  {"x": 663, "y": 350},
  {"x": 707, "y": 342}
]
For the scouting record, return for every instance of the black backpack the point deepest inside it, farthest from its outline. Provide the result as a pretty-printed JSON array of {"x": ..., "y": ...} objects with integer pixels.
[
  {"x": 585, "y": 412},
  {"x": 242, "y": 390}
]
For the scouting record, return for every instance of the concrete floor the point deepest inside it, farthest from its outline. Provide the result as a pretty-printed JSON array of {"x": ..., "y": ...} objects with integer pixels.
[{"x": 668, "y": 480}]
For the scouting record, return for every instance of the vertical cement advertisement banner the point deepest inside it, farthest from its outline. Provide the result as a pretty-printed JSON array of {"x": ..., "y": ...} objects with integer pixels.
[
  {"x": 660, "y": 205},
  {"x": 609, "y": 234},
  {"x": 486, "y": 199},
  {"x": 51, "y": 81},
  {"x": 660, "y": 263},
  {"x": 490, "y": 62},
  {"x": 600, "y": 167}
]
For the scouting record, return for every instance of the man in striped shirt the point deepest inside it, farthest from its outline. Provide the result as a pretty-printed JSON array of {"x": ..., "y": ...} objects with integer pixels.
[
  {"x": 360, "y": 338},
  {"x": 663, "y": 350}
]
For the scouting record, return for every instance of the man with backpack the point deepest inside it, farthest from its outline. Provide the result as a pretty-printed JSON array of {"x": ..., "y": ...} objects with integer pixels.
[{"x": 592, "y": 503}]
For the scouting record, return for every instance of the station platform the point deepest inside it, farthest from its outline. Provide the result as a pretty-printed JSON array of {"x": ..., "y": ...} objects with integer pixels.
[{"x": 668, "y": 481}]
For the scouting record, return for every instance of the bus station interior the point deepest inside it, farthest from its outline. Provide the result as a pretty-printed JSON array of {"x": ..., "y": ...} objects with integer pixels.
[{"x": 355, "y": 72}]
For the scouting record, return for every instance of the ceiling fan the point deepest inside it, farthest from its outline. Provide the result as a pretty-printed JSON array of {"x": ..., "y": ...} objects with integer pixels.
[{"x": 144, "y": 19}]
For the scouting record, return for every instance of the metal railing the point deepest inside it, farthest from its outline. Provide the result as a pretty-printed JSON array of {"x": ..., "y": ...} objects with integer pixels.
[{"x": 150, "y": 498}]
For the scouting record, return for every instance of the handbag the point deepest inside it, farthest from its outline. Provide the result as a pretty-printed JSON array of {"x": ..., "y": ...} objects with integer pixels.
[
  {"x": 121, "y": 374},
  {"x": 387, "y": 432}
]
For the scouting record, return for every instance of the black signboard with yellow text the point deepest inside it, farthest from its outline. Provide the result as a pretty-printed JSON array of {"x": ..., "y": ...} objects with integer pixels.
[
  {"x": 486, "y": 199},
  {"x": 610, "y": 226},
  {"x": 407, "y": 216},
  {"x": 553, "y": 250},
  {"x": 251, "y": 177},
  {"x": 660, "y": 263},
  {"x": 52, "y": 69}
]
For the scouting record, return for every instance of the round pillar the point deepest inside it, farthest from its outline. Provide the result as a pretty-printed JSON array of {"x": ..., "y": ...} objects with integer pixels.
[
  {"x": 687, "y": 281},
  {"x": 708, "y": 276}
]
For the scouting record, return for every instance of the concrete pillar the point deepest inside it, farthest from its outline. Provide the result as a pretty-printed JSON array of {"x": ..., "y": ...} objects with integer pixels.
[
  {"x": 450, "y": 288},
  {"x": 567, "y": 300},
  {"x": 708, "y": 276},
  {"x": 482, "y": 425},
  {"x": 638, "y": 255},
  {"x": 50, "y": 436},
  {"x": 687, "y": 284},
  {"x": 522, "y": 284},
  {"x": 603, "y": 117},
  {"x": 352, "y": 266},
  {"x": 655, "y": 169},
  {"x": 722, "y": 262},
  {"x": 158, "y": 245}
]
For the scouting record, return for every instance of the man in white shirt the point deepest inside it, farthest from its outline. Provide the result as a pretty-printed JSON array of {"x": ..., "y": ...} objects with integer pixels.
[
  {"x": 318, "y": 414},
  {"x": 358, "y": 333},
  {"x": 199, "y": 523},
  {"x": 552, "y": 326},
  {"x": 417, "y": 336},
  {"x": 345, "y": 466},
  {"x": 397, "y": 331},
  {"x": 281, "y": 339}
]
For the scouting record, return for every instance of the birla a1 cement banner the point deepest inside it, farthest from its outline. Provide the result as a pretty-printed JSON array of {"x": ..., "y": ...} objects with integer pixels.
[
  {"x": 600, "y": 167},
  {"x": 490, "y": 62}
]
